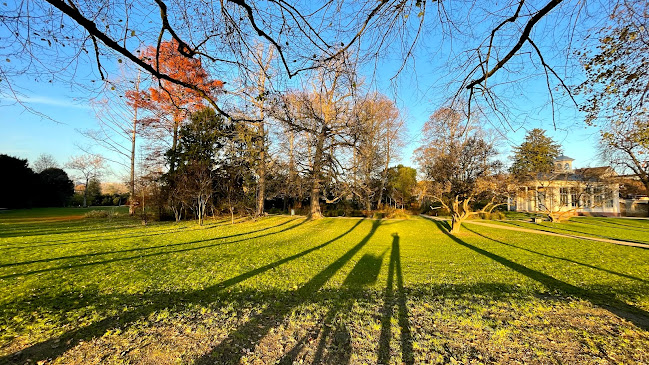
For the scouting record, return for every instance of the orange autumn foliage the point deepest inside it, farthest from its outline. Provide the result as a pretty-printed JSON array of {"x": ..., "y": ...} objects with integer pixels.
[{"x": 171, "y": 99}]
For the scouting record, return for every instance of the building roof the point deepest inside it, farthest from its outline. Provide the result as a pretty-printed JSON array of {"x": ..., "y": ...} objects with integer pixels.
[
  {"x": 595, "y": 171},
  {"x": 563, "y": 158}
]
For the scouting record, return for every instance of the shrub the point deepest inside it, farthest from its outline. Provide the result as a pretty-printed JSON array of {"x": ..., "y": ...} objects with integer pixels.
[
  {"x": 102, "y": 214},
  {"x": 497, "y": 215},
  {"x": 97, "y": 214}
]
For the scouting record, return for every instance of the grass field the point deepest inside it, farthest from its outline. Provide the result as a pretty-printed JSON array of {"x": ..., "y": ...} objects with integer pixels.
[
  {"x": 630, "y": 230},
  {"x": 286, "y": 290}
]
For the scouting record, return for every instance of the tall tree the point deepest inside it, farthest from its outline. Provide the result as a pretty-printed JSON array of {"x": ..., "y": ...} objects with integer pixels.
[
  {"x": 199, "y": 147},
  {"x": 17, "y": 184},
  {"x": 118, "y": 127},
  {"x": 173, "y": 103},
  {"x": 55, "y": 187},
  {"x": 459, "y": 162},
  {"x": 255, "y": 90},
  {"x": 324, "y": 115},
  {"x": 617, "y": 88},
  {"x": 535, "y": 155},
  {"x": 377, "y": 139}
]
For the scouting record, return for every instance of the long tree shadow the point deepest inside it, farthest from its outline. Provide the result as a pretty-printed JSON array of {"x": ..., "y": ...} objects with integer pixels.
[
  {"x": 407, "y": 355},
  {"x": 137, "y": 257},
  {"x": 232, "y": 348},
  {"x": 54, "y": 347},
  {"x": 635, "y": 315},
  {"x": 56, "y": 228},
  {"x": 615, "y": 224},
  {"x": 560, "y": 258},
  {"x": 98, "y": 236},
  {"x": 364, "y": 273},
  {"x": 555, "y": 229},
  {"x": 93, "y": 254}
]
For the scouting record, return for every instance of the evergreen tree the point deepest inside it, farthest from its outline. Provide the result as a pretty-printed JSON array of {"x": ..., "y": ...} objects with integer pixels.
[{"x": 535, "y": 155}]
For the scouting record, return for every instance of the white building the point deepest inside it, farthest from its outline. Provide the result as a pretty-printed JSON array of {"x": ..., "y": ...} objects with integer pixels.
[{"x": 568, "y": 191}]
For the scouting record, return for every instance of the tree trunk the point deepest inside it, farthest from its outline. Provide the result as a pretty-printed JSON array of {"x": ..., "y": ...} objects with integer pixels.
[
  {"x": 174, "y": 144},
  {"x": 456, "y": 223},
  {"x": 85, "y": 194},
  {"x": 291, "y": 170},
  {"x": 315, "y": 212},
  {"x": 261, "y": 188},
  {"x": 131, "y": 190},
  {"x": 458, "y": 214}
]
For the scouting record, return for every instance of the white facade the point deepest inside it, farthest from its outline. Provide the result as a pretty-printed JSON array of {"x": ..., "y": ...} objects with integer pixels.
[{"x": 573, "y": 192}]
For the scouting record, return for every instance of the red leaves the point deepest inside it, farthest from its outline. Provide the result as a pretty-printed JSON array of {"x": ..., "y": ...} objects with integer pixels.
[{"x": 169, "y": 98}]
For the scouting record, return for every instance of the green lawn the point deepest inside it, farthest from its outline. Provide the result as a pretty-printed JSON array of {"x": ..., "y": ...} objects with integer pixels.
[
  {"x": 630, "y": 230},
  {"x": 334, "y": 291}
]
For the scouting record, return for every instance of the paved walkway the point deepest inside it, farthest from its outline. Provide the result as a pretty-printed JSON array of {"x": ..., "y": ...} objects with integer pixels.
[{"x": 536, "y": 231}]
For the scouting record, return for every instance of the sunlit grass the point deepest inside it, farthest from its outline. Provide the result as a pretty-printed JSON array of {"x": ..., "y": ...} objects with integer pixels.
[
  {"x": 631, "y": 230},
  {"x": 331, "y": 291}
]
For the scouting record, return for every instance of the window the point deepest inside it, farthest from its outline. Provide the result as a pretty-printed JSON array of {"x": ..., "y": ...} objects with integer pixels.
[
  {"x": 566, "y": 166},
  {"x": 574, "y": 197},
  {"x": 608, "y": 196},
  {"x": 563, "y": 197},
  {"x": 597, "y": 195},
  {"x": 588, "y": 198}
]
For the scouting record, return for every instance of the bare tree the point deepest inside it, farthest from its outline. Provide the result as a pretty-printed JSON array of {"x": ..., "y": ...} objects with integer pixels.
[
  {"x": 195, "y": 185},
  {"x": 88, "y": 167},
  {"x": 54, "y": 36},
  {"x": 118, "y": 128},
  {"x": 43, "y": 162},
  {"x": 458, "y": 162},
  {"x": 255, "y": 90},
  {"x": 377, "y": 134},
  {"x": 324, "y": 115}
]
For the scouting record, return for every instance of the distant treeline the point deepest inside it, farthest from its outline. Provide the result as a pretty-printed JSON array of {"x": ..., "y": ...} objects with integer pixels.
[{"x": 51, "y": 187}]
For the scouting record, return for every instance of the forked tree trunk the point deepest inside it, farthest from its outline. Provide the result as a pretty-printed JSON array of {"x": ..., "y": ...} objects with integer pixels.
[{"x": 459, "y": 213}]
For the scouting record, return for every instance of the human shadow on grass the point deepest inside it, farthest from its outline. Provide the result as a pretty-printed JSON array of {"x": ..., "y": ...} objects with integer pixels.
[
  {"x": 94, "y": 254},
  {"x": 407, "y": 356},
  {"x": 233, "y": 348},
  {"x": 143, "y": 305},
  {"x": 627, "y": 276},
  {"x": 334, "y": 345},
  {"x": 555, "y": 229},
  {"x": 635, "y": 315}
]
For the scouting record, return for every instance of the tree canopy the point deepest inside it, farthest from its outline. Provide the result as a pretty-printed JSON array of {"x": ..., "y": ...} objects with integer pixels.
[
  {"x": 617, "y": 88},
  {"x": 535, "y": 155},
  {"x": 458, "y": 160}
]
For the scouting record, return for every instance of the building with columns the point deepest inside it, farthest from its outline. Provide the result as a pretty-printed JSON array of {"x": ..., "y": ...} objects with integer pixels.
[{"x": 567, "y": 191}]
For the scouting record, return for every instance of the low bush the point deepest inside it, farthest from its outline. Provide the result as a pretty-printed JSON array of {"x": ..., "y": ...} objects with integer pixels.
[
  {"x": 97, "y": 214},
  {"x": 497, "y": 215},
  {"x": 101, "y": 214}
]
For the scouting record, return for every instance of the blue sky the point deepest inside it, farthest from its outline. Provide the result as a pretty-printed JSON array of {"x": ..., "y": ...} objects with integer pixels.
[
  {"x": 419, "y": 90},
  {"x": 27, "y": 135}
]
